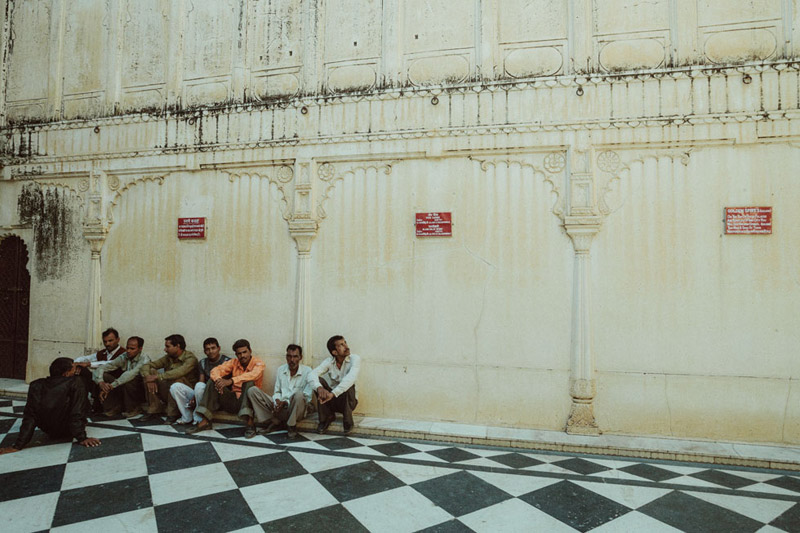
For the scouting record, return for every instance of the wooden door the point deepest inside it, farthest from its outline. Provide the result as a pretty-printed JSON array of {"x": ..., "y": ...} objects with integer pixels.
[{"x": 15, "y": 289}]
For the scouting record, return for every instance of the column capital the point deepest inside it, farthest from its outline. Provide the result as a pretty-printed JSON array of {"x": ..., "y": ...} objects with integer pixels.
[
  {"x": 582, "y": 230},
  {"x": 303, "y": 231}
]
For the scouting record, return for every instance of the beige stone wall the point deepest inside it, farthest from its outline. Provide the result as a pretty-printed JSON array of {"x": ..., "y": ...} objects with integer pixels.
[{"x": 586, "y": 150}]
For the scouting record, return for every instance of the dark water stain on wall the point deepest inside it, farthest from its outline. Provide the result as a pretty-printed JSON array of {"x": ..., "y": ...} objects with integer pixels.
[{"x": 53, "y": 215}]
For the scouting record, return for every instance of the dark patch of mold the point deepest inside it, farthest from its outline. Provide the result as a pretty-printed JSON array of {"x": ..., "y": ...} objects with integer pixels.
[{"x": 52, "y": 214}]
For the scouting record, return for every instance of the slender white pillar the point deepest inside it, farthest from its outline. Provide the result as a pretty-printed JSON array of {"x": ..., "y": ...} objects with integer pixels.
[{"x": 94, "y": 318}]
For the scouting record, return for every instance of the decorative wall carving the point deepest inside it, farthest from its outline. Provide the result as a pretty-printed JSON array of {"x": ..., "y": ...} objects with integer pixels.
[
  {"x": 330, "y": 175},
  {"x": 120, "y": 187},
  {"x": 279, "y": 176}
]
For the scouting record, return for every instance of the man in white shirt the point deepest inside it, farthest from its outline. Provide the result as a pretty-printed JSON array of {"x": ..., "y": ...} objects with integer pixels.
[
  {"x": 292, "y": 394},
  {"x": 335, "y": 384},
  {"x": 83, "y": 364}
]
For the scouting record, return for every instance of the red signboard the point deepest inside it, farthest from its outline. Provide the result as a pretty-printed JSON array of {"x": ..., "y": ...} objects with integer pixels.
[
  {"x": 192, "y": 228},
  {"x": 434, "y": 224},
  {"x": 748, "y": 220}
]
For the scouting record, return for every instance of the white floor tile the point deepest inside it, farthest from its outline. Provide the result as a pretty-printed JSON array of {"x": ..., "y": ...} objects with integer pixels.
[
  {"x": 616, "y": 474},
  {"x": 306, "y": 446},
  {"x": 692, "y": 481},
  {"x": 141, "y": 520},
  {"x": 313, "y": 462},
  {"x": 158, "y": 442},
  {"x": 635, "y": 522},
  {"x": 363, "y": 450},
  {"x": 231, "y": 452},
  {"x": 286, "y": 497},
  {"x": 482, "y": 461},
  {"x": 52, "y": 454},
  {"x": 755, "y": 476},
  {"x": 251, "y": 529},
  {"x": 770, "y": 529},
  {"x": 188, "y": 483},
  {"x": 769, "y": 489},
  {"x": 515, "y": 484},
  {"x": 425, "y": 447},
  {"x": 627, "y": 495},
  {"x": 397, "y": 510},
  {"x": 368, "y": 442},
  {"x": 513, "y": 515},
  {"x": 410, "y": 473},
  {"x": 104, "y": 470},
  {"x": 547, "y": 467},
  {"x": 104, "y": 433},
  {"x": 28, "y": 514},
  {"x": 761, "y": 509},
  {"x": 421, "y": 456}
]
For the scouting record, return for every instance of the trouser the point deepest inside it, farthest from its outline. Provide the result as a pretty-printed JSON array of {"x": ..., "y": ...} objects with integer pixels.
[
  {"x": 162, "y": 396},
  {"x": 86, "y": 375},
  {"x": 225, "y": 401},
  {"x": 344, "y": 403},
  {"x": 127, "y": 397},
  {"x": 264, "y": 407},
  {"x": 183, "y": 395}
]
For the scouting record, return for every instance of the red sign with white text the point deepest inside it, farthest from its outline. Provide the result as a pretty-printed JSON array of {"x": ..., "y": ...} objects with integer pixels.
[
  {"x": 748, "y": 220},
  {"x": 192, "y": 228},
  {"x": 434, "y": 224}
]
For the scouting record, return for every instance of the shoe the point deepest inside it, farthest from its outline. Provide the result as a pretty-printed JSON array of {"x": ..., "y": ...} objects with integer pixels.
[
  {"x": 198, "y": 428},
  {"x": 111, "y": 414},
  {"x": 151, "y": 417},
  {"x": 322, "y": 427},
  {"x": 348, "y": 428},
  {"x": 131, "y": 414},
  {"x": 250, "y": 432},
  {"x": 180, "y": 422},
  {"x": 171, "y": 420},
  {"x": 292, "y": 433},
  {"x": 272, "y": 426}
]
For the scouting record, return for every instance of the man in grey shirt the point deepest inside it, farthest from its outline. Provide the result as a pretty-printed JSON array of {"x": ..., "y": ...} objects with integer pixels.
[{"x": 120, "y": 381}]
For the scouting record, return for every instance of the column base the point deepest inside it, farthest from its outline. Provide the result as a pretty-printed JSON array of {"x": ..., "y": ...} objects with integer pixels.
[{"x": 581, "y": 420}]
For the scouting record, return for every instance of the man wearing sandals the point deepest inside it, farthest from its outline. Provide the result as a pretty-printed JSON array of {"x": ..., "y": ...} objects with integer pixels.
[
  {"x": 231, "y": 380},
  {"x": 292, "y": 395}
]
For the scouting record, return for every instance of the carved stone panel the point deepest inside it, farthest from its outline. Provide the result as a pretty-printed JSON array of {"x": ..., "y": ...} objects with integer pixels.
[
  {"x": 437, "y": 25},
  {"x": 29, "y": 61},
  {"x": 276, "y": 34},
  {"x": 145, "y": 28},
  {"x": 84, "y": 53},
  {"x": 209, "y": 38},
  {"x": 531, "y": 20},
  {"x": 351, "y": 37},
  {"x": 713, "y": 12},
  {"x": 630, "y": 16}
]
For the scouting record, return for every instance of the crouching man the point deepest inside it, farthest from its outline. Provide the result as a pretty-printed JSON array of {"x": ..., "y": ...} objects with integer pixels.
[
  {"x": 120, "y": 381},
  {"x": 231, "y": 380},
  {"x": 179, "y": 366},
  {"x": 292, "y": 394},
  {"x": 186, "y": 397},
  {"x": 334, "y": 381},
  {"x": 57, "y": 405}
]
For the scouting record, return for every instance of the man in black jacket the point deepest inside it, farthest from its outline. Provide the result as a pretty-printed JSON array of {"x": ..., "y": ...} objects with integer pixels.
[{"x": 57, "y": 405}]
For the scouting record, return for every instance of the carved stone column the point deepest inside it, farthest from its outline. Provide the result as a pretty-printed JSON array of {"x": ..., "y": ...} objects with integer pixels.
[
  {"x": 303, "y": 229},
  {"x": 582, "y": 384},
  {"x": 95, "y": 231}
]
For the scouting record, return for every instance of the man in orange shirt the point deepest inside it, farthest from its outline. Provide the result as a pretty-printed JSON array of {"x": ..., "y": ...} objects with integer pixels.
[{"x": 231, "y": 380}]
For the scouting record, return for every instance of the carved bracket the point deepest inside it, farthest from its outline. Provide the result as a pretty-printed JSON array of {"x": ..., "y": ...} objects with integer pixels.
[
  {"x": 280, "y": 176},
  {"x": 118, "y": 187},
  {"x": 551, "y": 169},
  {"x": 330, "y": 176}
]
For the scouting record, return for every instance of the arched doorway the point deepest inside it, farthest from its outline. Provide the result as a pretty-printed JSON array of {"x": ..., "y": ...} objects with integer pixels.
[{"x": 15, "y": 292}]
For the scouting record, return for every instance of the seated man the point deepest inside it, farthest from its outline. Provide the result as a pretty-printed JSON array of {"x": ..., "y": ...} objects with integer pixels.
[
  {"x": 180, "y": 366},
  {"x": 185, "y": 397},
  {"x": 292, "y": 395},
  {"x": 84, "y": 363},
  {"x": 120, "y": 381},
  {"x": 57, "y": 405},
  {"x": 231, "y": 381},
  {"x": 336, "y": 393}
]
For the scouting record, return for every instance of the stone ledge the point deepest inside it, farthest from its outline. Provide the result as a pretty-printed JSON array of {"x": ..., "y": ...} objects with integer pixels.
[{"x": 772, "y": 456}]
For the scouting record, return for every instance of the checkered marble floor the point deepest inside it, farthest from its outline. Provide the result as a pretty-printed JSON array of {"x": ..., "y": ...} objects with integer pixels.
[{"x": 151, "y": 477}]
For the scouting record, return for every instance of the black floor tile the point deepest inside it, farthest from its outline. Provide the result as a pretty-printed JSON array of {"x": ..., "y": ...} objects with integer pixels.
[
  {"x": 688, "y": 513},
  {"x": 653, "y": 473},
  {"x": 338, "y": 443},
  {"x": 5, "y": 403},
  {"x": 574, "y": 505},
  {"x": 723, "y": 479},
  {"x": 393, "y": 449},
  {"x": 39, "y": 438},
  {"x": 581, "y": 466},
  {"x": 785, "y": 482},
  {"x": 138, "y": 423},
  {"x": 18, "y": 409},
  {"x": 6, "y": 423},
  {"x": 282, "y": 437},
  {"x": 355, "y": 481},
  {"x": 232, "y": 433},
  {"x": 87, "y": 503},
  {"x": 515, "y": 460},
  {"x": 460, "y": 493},
  {"x": 182, "y": 456},
  {"x": 264, "y": 468},
  {"x": 224, "y": 511},
  {"x": 31, "y": 482},
  {"x": 108, "y": 447},
  {"x": 334, "y": 518},
  {"x": 788, "y": 521},
  {"x": 451, "y": 526},
  {"x": 453, "y": 455}
]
